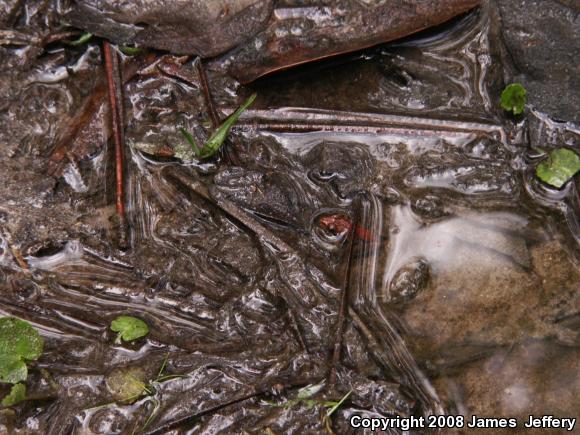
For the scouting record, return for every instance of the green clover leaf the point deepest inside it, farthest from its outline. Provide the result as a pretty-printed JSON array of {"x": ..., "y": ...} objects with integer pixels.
[{"x": 129, "y": 328}]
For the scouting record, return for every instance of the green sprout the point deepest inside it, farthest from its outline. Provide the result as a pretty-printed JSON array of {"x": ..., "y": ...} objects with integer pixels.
[
  {"x": 218, "y": 137},
  {"x": 513, "y": 98},
  {"x": 84, "y": 38},
  {"x": 19, "y": 344},
  {"x": 304, "y": 397},
  {"x": 130, "y": 51},
  {"x": 337, "y": 405},
  {"x": 129, "y": 328},
  {"x": 560, "y": 166}
]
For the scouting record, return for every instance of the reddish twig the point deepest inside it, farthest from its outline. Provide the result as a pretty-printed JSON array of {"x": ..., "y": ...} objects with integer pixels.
[
  {"x": 116, "y": 103},
  {"x": 19, "y": 258},
  {"x": 15, "y": 251},
  {"x": 213, "y": 115},
  {"x": 172, "y": 66}
]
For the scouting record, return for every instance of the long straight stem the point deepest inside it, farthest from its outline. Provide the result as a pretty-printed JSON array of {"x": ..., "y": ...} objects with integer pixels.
[{"x": 115, "y": 101}]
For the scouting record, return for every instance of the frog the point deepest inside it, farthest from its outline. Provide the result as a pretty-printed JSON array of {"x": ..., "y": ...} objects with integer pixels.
[{"x": 264, "y": 193}]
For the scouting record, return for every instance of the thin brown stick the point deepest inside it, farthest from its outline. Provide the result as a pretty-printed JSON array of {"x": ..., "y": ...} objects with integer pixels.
[
  {"x": 86, "y": 114},
  {"x": 74, "y": 126},
  {"x": 343, "y": 308},
  {"x": 296, "y": 330},
  {"x": 13, "y": 37},
  {"x": 56, "y": 37},
  {"x": 172, "y": 66},
  {"x": 19, "y": 258},
  {"x": 258, "y": 391},
  {"x": 15, "y": 251},
  {"x": 213, "y": 115},
  {"x": 116, "y": 104}
]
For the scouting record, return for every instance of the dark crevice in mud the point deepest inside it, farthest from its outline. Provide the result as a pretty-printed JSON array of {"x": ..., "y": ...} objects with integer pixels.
[{"x": 373, "y": 223}]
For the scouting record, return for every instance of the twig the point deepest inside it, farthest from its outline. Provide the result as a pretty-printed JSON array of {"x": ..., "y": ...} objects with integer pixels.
[
  {"x": 172, "y": 66},
  {"x": 301, "y": 119},
  {"x": 15, "y": 251},
  {"x": 183, "y": 420},
  {"x": 296, "y": 330},
  {"x": 85, "y": 116},
  {"x": 49, "y": 39},
  {"x": 116, "y": 103},
  {"x": 213, "y": 115},
  {"x": 13, "y": 37},
  {"x": 19, "y": 258},
  {"x": 343, "y": 308},
  {"x": 258, "y": 391},
  {"x": 73, "y": 129}
]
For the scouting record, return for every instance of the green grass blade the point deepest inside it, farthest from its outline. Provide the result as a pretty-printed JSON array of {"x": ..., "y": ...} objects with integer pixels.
[
  {"x": 219, "y": 136},
  {"x": 130, "y": 51},
  {"x": 162, "y": 366},
  {"x": 85, "y": 37},
  {"x": 191, "y": 141},
  {"x": 338, "y": 405}
]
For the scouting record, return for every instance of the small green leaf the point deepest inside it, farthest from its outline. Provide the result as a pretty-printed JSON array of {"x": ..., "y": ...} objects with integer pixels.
[
  {"x": 85, "y": 37},
  {"x": 12, "y": 369},
  {"x": 560, "y": 166},
  {"x": 129, "y": 328},
  {"x": 20, "y": 338},
  {"x": 19, "y": 342},
  {"x": 513, "y": 98},
  {"x": 17, "y": 394}
]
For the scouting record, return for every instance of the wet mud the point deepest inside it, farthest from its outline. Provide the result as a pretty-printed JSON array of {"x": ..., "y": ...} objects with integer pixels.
[{"x": 386, "y": 185}]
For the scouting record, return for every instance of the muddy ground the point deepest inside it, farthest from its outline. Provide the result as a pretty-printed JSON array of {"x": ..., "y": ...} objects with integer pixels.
[{"x": 390, "y": 174}]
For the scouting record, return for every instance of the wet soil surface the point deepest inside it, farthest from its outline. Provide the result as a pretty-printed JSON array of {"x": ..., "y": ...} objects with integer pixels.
[{"x": 390, "y": 175}]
